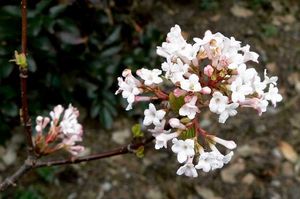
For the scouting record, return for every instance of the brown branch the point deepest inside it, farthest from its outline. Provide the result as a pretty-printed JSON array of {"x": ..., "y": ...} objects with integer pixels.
[
  {"x": 23, "y": 79},
  {"x": 30, "y": 164}
]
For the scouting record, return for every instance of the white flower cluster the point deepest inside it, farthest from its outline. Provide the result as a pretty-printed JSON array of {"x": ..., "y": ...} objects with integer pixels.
[
  {"x": 64, "y": 131},
  {"x": 211, "y": 73}
]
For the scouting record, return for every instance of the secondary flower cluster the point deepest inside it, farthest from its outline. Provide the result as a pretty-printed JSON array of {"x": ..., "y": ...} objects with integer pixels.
[
  {"x": 211, "y": 73},
  {"x": 62, "y": 131}
]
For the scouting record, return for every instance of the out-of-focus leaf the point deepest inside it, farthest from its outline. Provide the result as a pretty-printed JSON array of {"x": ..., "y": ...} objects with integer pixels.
[
  {"x": 31, "y": 64},
  {"x": 58, "y": 9},
  {"x": 10, "y": 109},
  {"x": 11, "y": 11},
  {"x": 114, "y": 36},
  {"x": 34, "y": 26},
  {"x": 106, "y": 118},
  {"x": 6, "y": 69},
  {"x": 71, "y": 38},
  {"x": 111, "y": 51},
  {"x": 47, "y": 173}
]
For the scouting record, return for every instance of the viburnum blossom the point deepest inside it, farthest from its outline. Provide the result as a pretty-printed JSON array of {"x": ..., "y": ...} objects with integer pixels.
[
  {"x": 153, "y": 116},
  {"x": 212, "y": 73},
  {"x": 150, "y": 76},
  {"x": 63, "y": 133},
  {"x": 183, "y": 148},
  {"x": 191, "y": 84},
  {"x": 189, "y": 109}
]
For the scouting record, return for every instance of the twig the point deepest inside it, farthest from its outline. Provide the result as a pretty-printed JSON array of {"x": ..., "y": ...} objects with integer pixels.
[
  {"x": 23, "y": 79},
  {"x": 30, "y": 164}
]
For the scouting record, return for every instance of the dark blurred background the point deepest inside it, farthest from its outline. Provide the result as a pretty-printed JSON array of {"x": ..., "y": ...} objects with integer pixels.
[{"x": 77, "y": 49}]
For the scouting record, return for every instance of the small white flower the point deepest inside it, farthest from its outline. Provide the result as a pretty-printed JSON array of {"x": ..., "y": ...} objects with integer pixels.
[
  {"x": 174, "y": 43},
  {"x": 183, "y": 148},
  {"x": 258, "y": 104},
  {"x": 230, "y": 110},
  {"x": 239, "y": 90},
  {"x": 218, "y": 102},
  {"x": 162, "y": 139},
  {"x": 249, "y": 55},
  {"x": 150, "y": 76},
  {"x": 258, "y": 86},
  {"x": 229, "y": 144},
  {"x": 69, "y": 123},
  {"x": 246, "y": 74},
  {"x": 189, "y": 109},
  {"x": 152, "y": 116},
  {"x": 158, "y": 129},
  {"x": 212, "y": 160},
  {"x": 188, "y": 169},
  {"x": 270, "y": 80},
  {"x": 128, "y": 87},
  {"x": 191, "y": 84},
  {"x": 174, "y": 71},
  {"x": 273, "y": 95}
]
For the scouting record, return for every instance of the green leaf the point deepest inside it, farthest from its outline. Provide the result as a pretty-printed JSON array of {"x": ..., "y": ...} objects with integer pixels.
[
  {"x": 6, "y": 69},
  {"x": 114, "y": 36},
  {"x": 58, "y": 9},
  {"x": 176, "y": 102},
  {"x": 136, "y": 131},
  {"x": 140, "y": 152},
  {"x": 111, "y": 51},
  {"x": 189, "y": 133},
  {"x": 47, "y": 173},
  {"x": 10, "y": 109}
]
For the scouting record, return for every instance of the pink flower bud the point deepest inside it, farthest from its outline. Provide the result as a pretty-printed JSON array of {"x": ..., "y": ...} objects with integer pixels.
[
  {"x": 208, "y": 70},
  {"x": 175, "y": 123},
  {"x": 179, "y": 92},
  {"x": 206, "y": 90}
]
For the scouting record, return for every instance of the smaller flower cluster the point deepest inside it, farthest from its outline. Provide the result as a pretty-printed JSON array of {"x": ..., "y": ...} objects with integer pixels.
[
  {"x": 62, "y": 131},
  {"x": 210, "y": 73}
]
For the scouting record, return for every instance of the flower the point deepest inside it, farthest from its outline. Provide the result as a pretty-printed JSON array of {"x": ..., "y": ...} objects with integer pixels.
[
  {"x": 153, "y": 116},
  {"x": 191, "y": 84},
  {"x": 270, "y": 80},
  {"x": 162, "y": 139},
  {"x": 57, "y": 111},
  {"x": 69, "y": 123},
  {"x": 174, "y": 71},
  {"x": 183, "y": 148},
  {"x": 189, "y": 109},
  {"x": 188, "y": 169},
  {"x": 129, "y": 87},
  {"x": 212, "y": 160},
  {"x": 158, "y": 129},
  {"x": 273, "y": 95},
  {"x": 259, "y": 104},
  {"x": 174, "y": 42},
  {"x": 239, "y": 90},
  {"x": 218, "y": 102},
  {"x": 229, "y": 144},
  {"x": 150, "y": 76},
  {"x": 230, "y": 110}
]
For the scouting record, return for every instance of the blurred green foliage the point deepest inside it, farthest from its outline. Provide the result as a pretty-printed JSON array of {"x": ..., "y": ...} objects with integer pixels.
[{"x": 76, "y": 50}]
